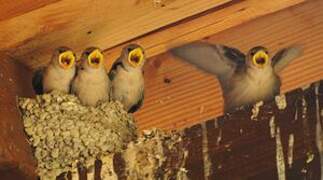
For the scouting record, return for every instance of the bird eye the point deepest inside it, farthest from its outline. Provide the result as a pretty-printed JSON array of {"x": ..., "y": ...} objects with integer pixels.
[{"x": 129, "y": 49}]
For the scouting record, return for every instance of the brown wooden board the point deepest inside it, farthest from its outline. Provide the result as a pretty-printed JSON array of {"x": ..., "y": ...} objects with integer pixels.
[{"x": 176, "y": 90}]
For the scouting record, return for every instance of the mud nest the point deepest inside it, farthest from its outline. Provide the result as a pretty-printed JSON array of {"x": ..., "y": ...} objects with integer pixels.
[{"x": 65, "y": 133}]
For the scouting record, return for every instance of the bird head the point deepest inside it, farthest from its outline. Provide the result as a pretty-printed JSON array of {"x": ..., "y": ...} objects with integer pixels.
[
  {"x": 133, "y": 56},
  {"x": 64, "y": 58},
  {"x": 92, "y": 58},
  {"x": 258, "y": 57}
]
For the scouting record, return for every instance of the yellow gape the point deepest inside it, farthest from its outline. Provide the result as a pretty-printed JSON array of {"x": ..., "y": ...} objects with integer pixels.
[
  {"x": 66, "y": 59},
  {"x": 136, "y": 57},
  {"x": 95, "y": 59},
  {"x": 260, "y": 59}
]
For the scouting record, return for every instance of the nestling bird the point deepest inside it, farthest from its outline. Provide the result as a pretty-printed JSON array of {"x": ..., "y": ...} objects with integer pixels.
[
  {"x": 58, "y": 75},
  {"x": 245, "y": 79},
  {"x": 127, "y": 78},
  {"x": 91, "y": 83}
]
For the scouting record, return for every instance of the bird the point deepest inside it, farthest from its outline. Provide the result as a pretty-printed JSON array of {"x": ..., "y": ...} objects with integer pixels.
[
  {"x": 91, "y": 83},
  {"x": 127, "y": 77},
  {"x": 58, "y": 74},
  {"x": 244, "y": 78}
]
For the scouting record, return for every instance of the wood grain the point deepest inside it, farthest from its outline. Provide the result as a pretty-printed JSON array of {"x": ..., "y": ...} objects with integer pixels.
[
  {"x": 241, "y": 148},
  {"x": 43, "y": 26},
  {"x": 189, "y": 96},
  {"x": 202, "y": 25}
]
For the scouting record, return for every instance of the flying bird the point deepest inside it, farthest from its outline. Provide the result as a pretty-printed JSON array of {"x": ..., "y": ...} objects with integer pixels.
[
  {"x": 127, "y": 78},
  {"x": 59, "y": 73},
  {"x": 91, "y": 83},
  {"x": 244, "y": 79}
]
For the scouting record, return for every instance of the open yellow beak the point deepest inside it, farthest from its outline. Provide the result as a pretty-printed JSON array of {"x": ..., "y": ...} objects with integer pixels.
[
  {"x": 136, "y": 57},
  {"x": 66, "y": 59},
  {"x": 95, "y": 59},
  {"x": 260, "y": 59}
]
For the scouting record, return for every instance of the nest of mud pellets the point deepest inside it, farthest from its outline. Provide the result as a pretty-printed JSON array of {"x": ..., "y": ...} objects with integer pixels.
[{"x": 64, "y": 133}]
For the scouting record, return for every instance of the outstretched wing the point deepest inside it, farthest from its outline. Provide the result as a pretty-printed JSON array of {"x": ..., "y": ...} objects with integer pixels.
[
  {"x": 216, "y": 59},
  {"x": 37, "y": 81},
  {"x": 283, "y": 57}
]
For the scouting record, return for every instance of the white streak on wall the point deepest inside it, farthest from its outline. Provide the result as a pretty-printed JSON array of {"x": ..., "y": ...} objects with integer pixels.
[
  {"x": 255, "y": 110},
  {"x": 272, "y": 126},
  {"x": 296, "y": 113},
  {"x": 319, "y": 133},
  {"x": 216, "y": 124},
  {"x": 281, "y": 101},
  {"x": 205, "y": 150},
  {"x": 181, "y": 174},
  {"x": 280, "y": 157},
  {"x": 290, "y": 150},
  {"x": 218, "y": 140},
  {"x": 107, "y": 170}
]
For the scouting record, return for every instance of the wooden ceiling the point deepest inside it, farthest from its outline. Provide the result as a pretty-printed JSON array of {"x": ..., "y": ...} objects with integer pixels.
[
  {"x": 31, "y": 29},
  {"x": 179, "y": 95}
]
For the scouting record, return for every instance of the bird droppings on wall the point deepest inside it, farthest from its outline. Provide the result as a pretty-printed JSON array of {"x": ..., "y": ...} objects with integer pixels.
[
  {"x": 156, "y": 155},
  {"x": 281, "y": 101},
  {"x": 255, "y": 110},
  {"x": 280, "y": 156},
  {"x": 205, "y": 148},
  {"x": 63, "y": 132},
  {"x": 107, "y": 171},
  {"x": 290, "y": 151},
  {"x": 272, "y": 127}
]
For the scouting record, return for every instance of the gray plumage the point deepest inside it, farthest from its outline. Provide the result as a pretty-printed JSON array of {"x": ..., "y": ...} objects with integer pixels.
[
  {"x": 127, "y": 78},
  {"x": 245, "y": 79},
  {"x": 59, "y": 73},
  {"x": 91, "y": 83}
]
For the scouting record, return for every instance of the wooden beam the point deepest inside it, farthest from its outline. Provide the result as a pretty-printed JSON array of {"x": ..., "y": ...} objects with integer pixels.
[
  {"x": 40, "y": 28},
  {"x": 16, "y": 160},
  {"x": 10, "y": 9},
  {"x": 178, "y": 95},
  {"x": 203, "y": 25}
]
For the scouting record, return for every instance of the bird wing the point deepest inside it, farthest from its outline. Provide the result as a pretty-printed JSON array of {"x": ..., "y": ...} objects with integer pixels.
[
  {"x": 140, "y": 102},
  {"x": 216, "y": 59},
  {"x": 283, "y": 57},
  {"x": 114, "y": 68},
  {"x": 37, "y": 81}
]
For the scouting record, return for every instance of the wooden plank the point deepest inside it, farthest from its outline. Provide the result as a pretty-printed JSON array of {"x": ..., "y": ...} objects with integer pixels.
[
  {"x": 189, "y": 96},
  {"x": 83, "y": 23},
  {"x": 206, "y": 24},
  {"x": 251, "y": 149},
  {"x": 10, "y": 9},
  {"x": 16, "y": 160}
]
